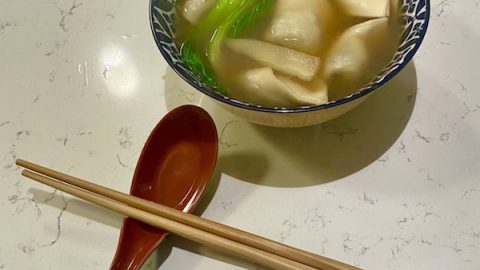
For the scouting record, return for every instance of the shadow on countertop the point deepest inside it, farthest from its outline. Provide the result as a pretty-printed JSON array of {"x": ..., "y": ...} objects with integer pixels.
[{"x": 307, "y": 156}]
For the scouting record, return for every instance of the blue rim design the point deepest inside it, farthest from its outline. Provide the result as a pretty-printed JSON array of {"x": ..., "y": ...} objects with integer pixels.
[{"x": 416, "y": 21}]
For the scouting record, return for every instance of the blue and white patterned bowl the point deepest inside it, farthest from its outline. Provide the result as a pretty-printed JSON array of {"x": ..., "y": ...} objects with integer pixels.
[{"x": 416, "y": 14}]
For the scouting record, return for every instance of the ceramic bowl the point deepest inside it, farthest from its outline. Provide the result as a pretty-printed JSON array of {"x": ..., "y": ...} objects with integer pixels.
[{"x": 416, "y": 14}]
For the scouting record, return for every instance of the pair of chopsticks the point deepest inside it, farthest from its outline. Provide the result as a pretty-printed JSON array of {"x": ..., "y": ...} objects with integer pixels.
[{"x": 236, "y": 242}]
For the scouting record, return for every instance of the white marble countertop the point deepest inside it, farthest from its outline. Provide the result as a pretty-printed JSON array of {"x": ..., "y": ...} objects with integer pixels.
[{"x": 395, "y": 184}]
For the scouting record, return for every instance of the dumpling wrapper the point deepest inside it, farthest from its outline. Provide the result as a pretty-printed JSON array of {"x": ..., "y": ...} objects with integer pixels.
[
  {"x": 349, "y": 55},
  {"x": 347, "y": 59},
  {"x": 194, "y": 9},
  {"x": 300, "y": 25},
  {"x": 366, "y": 8},
  {"x": 261, "y": 86},
  {"x": 281, "y": 59},
  {"x": 350, "y": 60}
]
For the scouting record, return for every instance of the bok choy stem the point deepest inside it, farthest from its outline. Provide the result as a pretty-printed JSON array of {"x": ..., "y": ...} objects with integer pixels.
[{"x": 228, "y": 18}]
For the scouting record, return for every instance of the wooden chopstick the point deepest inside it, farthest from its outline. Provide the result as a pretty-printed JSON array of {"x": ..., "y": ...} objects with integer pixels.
[
  {"x": 295, "y": 254},
  {"x": 202, "y": 224},
  {"x": 256, "y": 255}
]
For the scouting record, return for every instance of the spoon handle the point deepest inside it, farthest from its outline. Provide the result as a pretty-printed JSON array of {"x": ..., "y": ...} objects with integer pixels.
[{"x": 135, "y": 245}]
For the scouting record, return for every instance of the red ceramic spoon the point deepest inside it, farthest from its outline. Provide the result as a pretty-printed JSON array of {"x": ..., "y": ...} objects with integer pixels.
[{"x": 174, "y": 168}]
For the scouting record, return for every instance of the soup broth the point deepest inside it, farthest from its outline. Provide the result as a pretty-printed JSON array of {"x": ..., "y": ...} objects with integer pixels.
[{"x": 274, "y": 64}]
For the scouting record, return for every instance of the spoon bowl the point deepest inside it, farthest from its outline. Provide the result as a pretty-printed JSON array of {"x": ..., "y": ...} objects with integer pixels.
[{"x": 174, "y": 168}]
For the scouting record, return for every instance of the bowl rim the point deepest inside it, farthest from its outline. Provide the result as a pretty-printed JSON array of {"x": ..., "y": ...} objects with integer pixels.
[{"x": 311, "y": 108}]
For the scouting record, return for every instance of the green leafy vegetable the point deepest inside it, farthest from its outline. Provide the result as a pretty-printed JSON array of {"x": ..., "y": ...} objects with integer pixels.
[
  {"x": 193, "y": 56},
  {"x": 208, "y": 24},
  {"x": 246, "y": 14},
  {"x": 251, "y": 17},
  {"x": 222, "y": 31},
  {"x": 195, "y": 63},
  {"x": 229, "y": 18}
]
